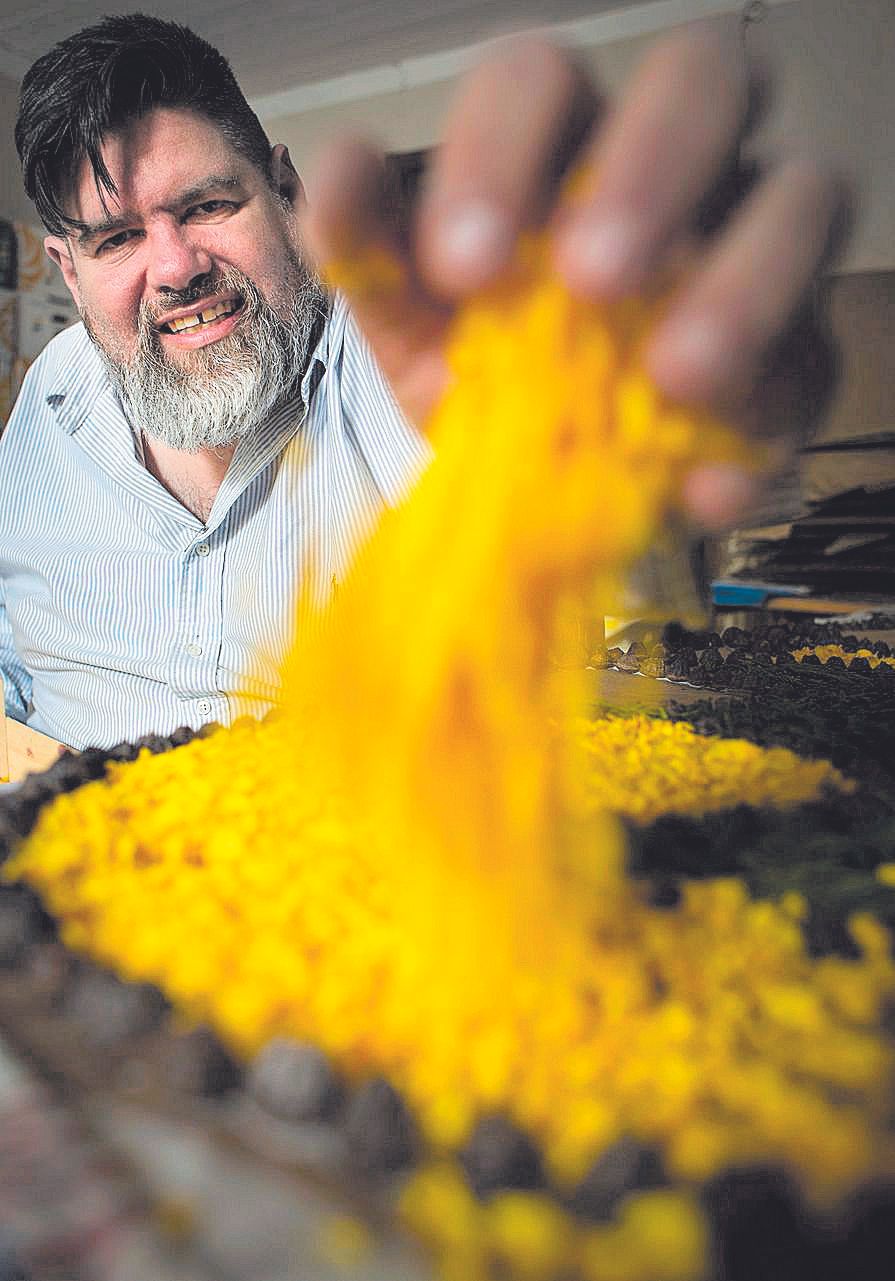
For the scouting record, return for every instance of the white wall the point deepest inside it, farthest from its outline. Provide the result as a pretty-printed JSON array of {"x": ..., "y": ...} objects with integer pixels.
[
  {"x": 837, "y": 90},
  {"x": 836, "y": 93},
  {"x": 13, "y": 202}
]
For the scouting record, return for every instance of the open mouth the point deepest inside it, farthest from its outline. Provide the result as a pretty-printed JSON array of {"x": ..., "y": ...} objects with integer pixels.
[{"x": 198, "y": 320}]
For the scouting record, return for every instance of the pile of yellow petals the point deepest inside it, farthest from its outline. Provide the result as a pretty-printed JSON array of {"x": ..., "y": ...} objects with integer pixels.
[
  {"x": 643, "y": 767},
  {"x": 659, "y": 1235},
  {"x": 269, "y": 910},
  {"x": 823, "y": 652},
  {"x": 411, "y": 868}
]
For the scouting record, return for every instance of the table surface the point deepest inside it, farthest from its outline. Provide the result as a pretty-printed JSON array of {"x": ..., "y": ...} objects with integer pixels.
[
  {"x": 30, "y": 752},
  {"x": 27, "y": 750},
  {"x": 132, "y": 1167}
]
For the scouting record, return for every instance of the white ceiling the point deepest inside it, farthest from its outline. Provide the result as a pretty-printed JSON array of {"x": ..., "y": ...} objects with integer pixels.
[{"x": 279, "y": 44}]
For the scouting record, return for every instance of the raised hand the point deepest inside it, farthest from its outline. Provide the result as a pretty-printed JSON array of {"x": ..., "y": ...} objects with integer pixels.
[{"x": 657, "y": 183}]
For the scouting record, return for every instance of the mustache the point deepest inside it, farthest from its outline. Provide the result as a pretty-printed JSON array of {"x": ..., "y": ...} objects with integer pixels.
[{"x": 200, "y": 287}]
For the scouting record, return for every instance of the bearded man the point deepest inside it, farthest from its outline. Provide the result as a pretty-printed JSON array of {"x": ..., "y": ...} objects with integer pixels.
[{"x": 219, "y": 430}]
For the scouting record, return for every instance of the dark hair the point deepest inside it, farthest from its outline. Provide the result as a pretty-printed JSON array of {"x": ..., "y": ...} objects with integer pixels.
[{"x": 99, "y": 79}]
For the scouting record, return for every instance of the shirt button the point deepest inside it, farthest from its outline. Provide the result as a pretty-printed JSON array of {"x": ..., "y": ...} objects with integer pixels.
[
  {"x": 194, "y": 650},
  {"x": 203, "y": 550},
  {"x": 203, "y": 707}
]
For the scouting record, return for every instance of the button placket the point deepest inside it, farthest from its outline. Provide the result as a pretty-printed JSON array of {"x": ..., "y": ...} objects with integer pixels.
[
  {"x": 192, "y": 671},
  {"x": 194, "y": 648}
]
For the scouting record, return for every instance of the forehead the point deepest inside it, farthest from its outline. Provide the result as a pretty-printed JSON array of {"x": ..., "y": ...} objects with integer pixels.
[{"x": 154, "y": 158}]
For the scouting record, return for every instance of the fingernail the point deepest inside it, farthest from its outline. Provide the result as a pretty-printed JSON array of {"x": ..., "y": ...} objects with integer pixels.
[
  {"x": 474, "y": 238},
  {"x": 691, "y": 358},
  {"x": 717, "y": 495},
  {"x": 603, "y": 255}
]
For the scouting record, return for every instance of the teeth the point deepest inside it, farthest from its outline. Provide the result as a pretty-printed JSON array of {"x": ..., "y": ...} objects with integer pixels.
[
  {"x": 199, "y": 318},
  {"x": 185, "y": 322}
]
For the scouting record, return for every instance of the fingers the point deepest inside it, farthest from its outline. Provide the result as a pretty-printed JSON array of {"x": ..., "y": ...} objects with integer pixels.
[
  {"x": 784, "y": 407},
  {"x": 715, "y": 496},
  {"x": 654, "y": 175},
  {"x": 347, "y": 196},
  {"x": 521, "y": 117},
  {"x": 656, "y": 158},
  {"x": 518, "y": 120},
  {"x": 714, "y": 344},
  {"x": 743, "y": 338},
  {"x": 352, "y": 230}
]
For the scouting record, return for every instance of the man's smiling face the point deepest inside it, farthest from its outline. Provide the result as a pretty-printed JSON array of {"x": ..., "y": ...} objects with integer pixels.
[{"x": 190, "y": 280}]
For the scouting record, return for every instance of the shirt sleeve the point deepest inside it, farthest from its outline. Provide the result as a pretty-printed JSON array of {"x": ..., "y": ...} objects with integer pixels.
[{"x": 16, "y": 681}]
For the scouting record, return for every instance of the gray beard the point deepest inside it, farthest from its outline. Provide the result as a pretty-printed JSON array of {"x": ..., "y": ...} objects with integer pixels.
[{"x": 233, "y": 384}]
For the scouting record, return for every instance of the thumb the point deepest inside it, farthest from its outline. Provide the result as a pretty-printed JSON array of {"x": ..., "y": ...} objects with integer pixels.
[{"x": 360, "y": 237}]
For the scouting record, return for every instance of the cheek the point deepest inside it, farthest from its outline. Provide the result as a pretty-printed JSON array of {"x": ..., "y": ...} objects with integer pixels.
[
  {"x": 114, "y": 303},
  {"x": 262, "y": 255},
  {"x": 112, "y": 311}
]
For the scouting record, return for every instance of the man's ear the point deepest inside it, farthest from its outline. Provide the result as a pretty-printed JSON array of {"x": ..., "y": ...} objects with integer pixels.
[
  {"x": 284, "y": 176},
  {"x": 59, "y": 250}
]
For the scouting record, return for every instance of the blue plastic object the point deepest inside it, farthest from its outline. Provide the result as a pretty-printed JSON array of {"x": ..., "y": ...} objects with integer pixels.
[{"x": 743, "y": 595}]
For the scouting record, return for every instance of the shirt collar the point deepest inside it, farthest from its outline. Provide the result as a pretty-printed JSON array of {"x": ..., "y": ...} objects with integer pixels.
[
  {"x": 78, "y": 383},
  {"x": 319, "y": 354}
]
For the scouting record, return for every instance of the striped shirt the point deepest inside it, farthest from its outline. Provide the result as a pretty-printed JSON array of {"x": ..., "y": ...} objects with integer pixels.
[{"x": 121, "y": 613}]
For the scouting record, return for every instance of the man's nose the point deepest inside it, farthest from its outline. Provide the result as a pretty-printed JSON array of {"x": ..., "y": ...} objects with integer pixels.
[{"x": 176, "y": 259}]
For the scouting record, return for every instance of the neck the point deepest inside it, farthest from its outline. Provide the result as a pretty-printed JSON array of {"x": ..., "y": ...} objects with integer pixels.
[{"x": 193, "y": 479}]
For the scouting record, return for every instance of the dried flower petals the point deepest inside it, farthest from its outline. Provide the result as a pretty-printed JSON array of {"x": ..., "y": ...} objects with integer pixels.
[{"x": 417, "y": 869}]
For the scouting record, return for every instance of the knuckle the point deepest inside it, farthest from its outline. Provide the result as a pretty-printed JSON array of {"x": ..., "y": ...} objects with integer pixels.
[
  {"x": 708, "y": 59},
  {"x": 810, "y": 181},
  {"x": 818, "y": 182},
  {"x": 743, "y": 333},
  {"x": 700, "y": 45},
  {"x": 815, "y": 196},
  {"x": 533, "y": 58},
  {"x": 810, "y": 176}
]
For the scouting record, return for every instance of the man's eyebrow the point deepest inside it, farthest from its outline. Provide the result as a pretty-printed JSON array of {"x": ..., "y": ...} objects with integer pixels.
[
  {"x": 216, "y": 182},
  {"x": 91, "y": 230},
  {"x": 191, "y": 195}
]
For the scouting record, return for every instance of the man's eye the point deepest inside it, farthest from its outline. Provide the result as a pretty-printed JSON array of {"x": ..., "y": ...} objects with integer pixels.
[
  {"x": 209, "y": 208},
  {"x": 115, "y": 242}
]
